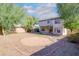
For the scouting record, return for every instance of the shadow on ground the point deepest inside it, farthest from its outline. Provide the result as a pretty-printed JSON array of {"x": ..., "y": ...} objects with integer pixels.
[
  {"x": 49, "y": 34},
  {"x": 60, "y": 48}
]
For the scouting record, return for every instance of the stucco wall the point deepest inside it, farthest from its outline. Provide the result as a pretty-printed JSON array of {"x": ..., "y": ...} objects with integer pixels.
[
  {"x": 43, "y": 23},
  {"x": 54, "y": 25}
]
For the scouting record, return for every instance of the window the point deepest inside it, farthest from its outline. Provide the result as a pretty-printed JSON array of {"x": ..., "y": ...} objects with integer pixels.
[
  {"x": 43, "y": 29},
  {"x": 58, "y": 31},
  {"x": 57, "y": 21},
  {"x": 48, "y": 21},
  {"x": 50, "y": 29}
]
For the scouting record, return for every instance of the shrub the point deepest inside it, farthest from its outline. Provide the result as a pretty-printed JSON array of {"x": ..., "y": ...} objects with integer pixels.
[{"x": 74, "y": 38}]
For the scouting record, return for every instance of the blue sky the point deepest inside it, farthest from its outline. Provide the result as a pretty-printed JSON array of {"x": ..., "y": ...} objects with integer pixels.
[
  {"x": 31, "y": 7},
  {"x": 34, "y": 5}
]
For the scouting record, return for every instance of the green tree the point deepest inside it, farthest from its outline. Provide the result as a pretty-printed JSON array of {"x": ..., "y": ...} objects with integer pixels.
[
  {"x": 10, "y": 14},
  {"x": 70, "y": 14},
  {"x": 29, "y": 23}
]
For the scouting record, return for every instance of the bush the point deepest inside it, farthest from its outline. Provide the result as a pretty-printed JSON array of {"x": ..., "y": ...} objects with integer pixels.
[
  {"x": 74, "y": 38},
  {"x": 29, "y": 23}
]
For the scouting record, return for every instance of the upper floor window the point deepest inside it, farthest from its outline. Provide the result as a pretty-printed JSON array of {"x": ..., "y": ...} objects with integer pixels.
[
  {"x": 57, "y": 21},
  {"x": 48, "y": 21}
]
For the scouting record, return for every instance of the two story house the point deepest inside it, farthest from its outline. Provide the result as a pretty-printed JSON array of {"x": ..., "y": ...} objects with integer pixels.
[
  {"x": 49, "y": 20},
  {"x": 51, "y": 26}
]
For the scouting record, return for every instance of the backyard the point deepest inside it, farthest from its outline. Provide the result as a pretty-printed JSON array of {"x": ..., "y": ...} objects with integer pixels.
[
  {"x": 25, "y": 44},
  {"x": 12, "y": 44},
  {"x": 20, "y": 37}
]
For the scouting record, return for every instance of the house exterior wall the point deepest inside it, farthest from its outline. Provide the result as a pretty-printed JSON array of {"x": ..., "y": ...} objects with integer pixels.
[
  {"x": 57, "y": 25},
  {"x": 44, "y": 32},
  {"x": 43, "y": 23}
]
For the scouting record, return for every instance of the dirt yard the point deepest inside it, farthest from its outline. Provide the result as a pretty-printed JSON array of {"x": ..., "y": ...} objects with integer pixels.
[
  {"x": 23, "y": 44},
  {"x": 26, "y": 44}
]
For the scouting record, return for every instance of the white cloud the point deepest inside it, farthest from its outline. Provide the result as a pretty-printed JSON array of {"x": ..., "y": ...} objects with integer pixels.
[
  {"x": 46, "y": 5},
  {"x": 47, "y": 10},
  {"x": 48, "y": 15},
  {"x": 49, "y": 5},
  {"x": 29, "y": 9}
]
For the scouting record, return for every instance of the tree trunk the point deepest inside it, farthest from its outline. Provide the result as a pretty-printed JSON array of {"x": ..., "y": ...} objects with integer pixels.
[
  {"x": 1, "y": 30},
  {"x": 71, "y": 31},
  {"x": 28, "y": 30}
]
